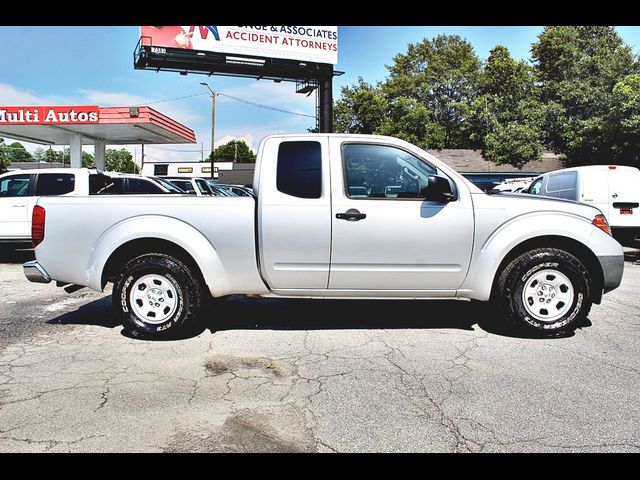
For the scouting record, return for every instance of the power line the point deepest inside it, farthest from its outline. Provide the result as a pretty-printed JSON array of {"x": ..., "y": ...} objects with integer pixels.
[
  {"x": 172, "y": 99},
  {"x": 268, "y": 107}
]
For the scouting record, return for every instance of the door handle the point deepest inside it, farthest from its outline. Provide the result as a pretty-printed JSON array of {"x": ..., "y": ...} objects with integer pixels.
[
  {"x": 19, "y": 205},
  {"x": 351, "y": 215}
]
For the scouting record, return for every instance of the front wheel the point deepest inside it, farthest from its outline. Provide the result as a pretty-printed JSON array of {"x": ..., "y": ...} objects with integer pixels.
[
  {"x": 544, "y": 290},
  {"x": 157, "y": 295}
]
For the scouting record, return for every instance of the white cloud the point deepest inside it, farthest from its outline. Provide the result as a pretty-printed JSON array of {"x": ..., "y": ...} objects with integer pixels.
[{"x": 10, "y": 95}]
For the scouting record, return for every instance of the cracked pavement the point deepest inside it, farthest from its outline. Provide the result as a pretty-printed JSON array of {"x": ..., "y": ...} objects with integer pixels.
[{"x": 313, "y": 376}]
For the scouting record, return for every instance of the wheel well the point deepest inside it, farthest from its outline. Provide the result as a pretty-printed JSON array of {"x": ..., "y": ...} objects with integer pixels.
[
  {"x": 140, "y": 246},
  {"x": 581, "y": 251}
]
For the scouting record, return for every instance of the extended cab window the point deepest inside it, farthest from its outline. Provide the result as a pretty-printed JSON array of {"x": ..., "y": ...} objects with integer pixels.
[
  {"x": 300, "y": 169},
  {"x": 140, "y": 185},
  {"x": 15, "y": 186},
  {"x": 381, "y": 171},
  {"x": 55, "y": 183}
]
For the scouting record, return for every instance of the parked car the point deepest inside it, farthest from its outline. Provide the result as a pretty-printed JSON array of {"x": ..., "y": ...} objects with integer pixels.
[
  {"x": 614, "y": 189},
  {"x": 514, "y": 185},
  {"x": 132, "y": 184},
  {"x": 220, "y": 188},
  {"x": 19, "y": 190},
  {"x": 240, "y": 190},
  {"x": 192, "y": 186},
  {"x": 173, "y": 188},
  {"x": 376, "y": 218}
]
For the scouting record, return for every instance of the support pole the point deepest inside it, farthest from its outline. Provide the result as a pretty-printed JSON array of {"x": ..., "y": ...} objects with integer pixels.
[
  {"x": 99, "y": 149},
  {"x": 75, "y": 149},
  {"x": 326, "y": 104}
]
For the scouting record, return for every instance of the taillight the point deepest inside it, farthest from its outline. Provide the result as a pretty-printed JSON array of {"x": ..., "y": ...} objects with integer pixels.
[
  {"x": 600, "y": 221},
  {"x": 37, "y": 226}
]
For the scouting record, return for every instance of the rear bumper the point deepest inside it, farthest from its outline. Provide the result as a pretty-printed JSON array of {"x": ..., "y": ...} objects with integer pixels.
[
  {"x": 35, "y": 273},
  {"x": 612, "y": 269}
]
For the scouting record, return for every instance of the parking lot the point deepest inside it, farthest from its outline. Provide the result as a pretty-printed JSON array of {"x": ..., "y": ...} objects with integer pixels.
[{"x": 307, "y": 375}]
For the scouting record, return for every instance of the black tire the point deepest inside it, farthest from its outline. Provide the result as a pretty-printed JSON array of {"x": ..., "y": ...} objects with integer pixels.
[
  {"x": 188, "y": 299},
  {"x": 525, "y": 272}
]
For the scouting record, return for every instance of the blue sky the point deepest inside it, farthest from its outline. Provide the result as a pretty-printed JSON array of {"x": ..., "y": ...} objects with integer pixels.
[{"x": 93, "y": 65}]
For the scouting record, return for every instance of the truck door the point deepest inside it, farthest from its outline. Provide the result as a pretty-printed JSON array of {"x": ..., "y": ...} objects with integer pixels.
[
  {"x": 294, "y": 213},
  {"x": 16, "y": 203},
  {"x": 385, "y": 236}
]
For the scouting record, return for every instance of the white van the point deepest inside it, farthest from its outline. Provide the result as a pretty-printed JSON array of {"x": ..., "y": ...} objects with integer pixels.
[{"x": 614, "y": 189}]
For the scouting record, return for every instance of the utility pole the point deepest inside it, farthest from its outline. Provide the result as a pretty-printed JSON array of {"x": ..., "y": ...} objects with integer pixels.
[{"x": 213, "y": 122}]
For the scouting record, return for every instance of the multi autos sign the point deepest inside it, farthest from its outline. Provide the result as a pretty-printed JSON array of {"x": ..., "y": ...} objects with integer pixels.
[
  {"x": 313, "y": 44},
  {"x": 48, "y": 115}
]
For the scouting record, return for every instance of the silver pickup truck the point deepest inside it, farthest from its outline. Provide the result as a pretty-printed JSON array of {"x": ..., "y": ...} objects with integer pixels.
[{"x": 334, "y": 216}]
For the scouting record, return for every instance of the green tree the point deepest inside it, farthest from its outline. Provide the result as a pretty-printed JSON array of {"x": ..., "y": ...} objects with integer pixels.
[
  {"x": 119, "y": 161},
  {"x": 577, "y": 68},
  {"x": 360, "y": 109},
  {"x": 442, "y": 74},
  {"x": 17, "y": 153},
  {"x": 87, "y": 160},
  {"x": 4, "y": 160},
  {"x": 234, "y": 151},
  {"x": 505, "y": 119},
  {"x": 411, "y": 121},
  {"x": 623, "y": 123}
]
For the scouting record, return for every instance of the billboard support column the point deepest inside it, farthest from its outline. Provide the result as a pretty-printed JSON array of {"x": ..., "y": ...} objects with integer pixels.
[
  {"x": 75, "y": 149},
  {"x": 326, "y": 104},
  {"x": 99, "y": 154}
]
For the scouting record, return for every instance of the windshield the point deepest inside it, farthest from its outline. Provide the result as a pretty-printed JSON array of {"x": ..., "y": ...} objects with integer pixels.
[{"x": 168, "y": 185}]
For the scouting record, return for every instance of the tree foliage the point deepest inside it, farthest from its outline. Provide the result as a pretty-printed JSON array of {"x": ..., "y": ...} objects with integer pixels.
[
  {"x": 579, "y": 95},
  {"x": 577, "y": 68},
  {"x": 16, "y": 152},
  {"x": 234, "y": 151},
  {"x": 4, "y": 161},
  {"x": 119, "y": 161}
]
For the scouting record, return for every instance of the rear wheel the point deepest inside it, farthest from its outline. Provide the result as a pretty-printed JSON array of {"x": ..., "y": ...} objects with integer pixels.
[
  {"x": 544, "y": 290},
  {"x": 157, "y": 295}
]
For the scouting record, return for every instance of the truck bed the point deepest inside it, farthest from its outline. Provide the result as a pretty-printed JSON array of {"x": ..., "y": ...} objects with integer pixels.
[{"x": 217, "y": 231}]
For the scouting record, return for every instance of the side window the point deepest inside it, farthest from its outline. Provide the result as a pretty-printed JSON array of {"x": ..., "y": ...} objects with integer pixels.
[
  {"x": 562, "y": 185},
  {"x": 381, "y": 171},
  {"x": 185, "y": 185},
  {"x": 140, "y": 185},
  {"x": 536, "y": 186},
  {"x": 55, "y": 183},
  {"x": 300, "y": 169},
  {"x": 15, "y": 186},
  {"x": 203, "y": 187}
]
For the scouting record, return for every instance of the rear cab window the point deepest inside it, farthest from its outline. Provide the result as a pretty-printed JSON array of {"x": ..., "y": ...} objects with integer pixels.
[{"x": 55, "y": 183}]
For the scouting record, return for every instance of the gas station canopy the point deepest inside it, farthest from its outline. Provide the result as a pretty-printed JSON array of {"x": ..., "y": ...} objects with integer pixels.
[{"x": 86, "y": 125}]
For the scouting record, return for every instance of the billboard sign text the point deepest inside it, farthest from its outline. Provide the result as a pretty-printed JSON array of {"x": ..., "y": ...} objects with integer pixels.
[{"x": 312, "y": 44}]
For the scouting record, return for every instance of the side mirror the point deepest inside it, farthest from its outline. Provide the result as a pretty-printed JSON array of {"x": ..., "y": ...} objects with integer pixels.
[{"x": 438, "y": 190}]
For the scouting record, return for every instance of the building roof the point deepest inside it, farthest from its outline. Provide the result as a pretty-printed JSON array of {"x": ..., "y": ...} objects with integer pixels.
[
  {"x": 114, "y": 126},
  {"x": 471, "y": 161}
]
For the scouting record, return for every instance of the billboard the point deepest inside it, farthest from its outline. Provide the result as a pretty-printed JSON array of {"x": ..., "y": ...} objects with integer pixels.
[
  {"x": 311, "y": 44},
  {"x": 49, "y": 115}
]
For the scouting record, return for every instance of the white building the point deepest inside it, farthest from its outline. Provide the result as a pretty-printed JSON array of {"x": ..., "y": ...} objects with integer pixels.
[{"x": 184, "y": 169}]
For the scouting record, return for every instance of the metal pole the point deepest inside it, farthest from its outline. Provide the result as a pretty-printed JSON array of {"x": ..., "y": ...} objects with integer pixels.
[
  {"x": 213, "y": 123},
  {"x": 326, "y": 104},
  {"x": 142, "y": 159}
]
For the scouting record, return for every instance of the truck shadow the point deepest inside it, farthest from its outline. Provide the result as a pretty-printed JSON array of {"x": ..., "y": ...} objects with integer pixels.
[
  {"x": 241, "y": 313},
  {"x": 9, "y": 254}
]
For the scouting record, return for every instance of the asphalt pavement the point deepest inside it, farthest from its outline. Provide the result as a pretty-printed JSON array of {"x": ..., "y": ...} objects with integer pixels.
[{"x": 311, "y": 375}]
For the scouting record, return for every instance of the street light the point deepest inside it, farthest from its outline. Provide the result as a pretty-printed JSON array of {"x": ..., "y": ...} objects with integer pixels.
[{"x": 213, "y": 121}]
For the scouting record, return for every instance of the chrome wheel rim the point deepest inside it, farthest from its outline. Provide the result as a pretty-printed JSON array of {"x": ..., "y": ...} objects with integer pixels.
[
  {"x": 153, "y": 298},
  {"x": 548, "y": 295}
]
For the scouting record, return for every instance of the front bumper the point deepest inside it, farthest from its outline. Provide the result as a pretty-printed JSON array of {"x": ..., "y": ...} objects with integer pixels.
[
  {"x": 35, "y": 273},
  {"x": 612, "y": 269}
]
